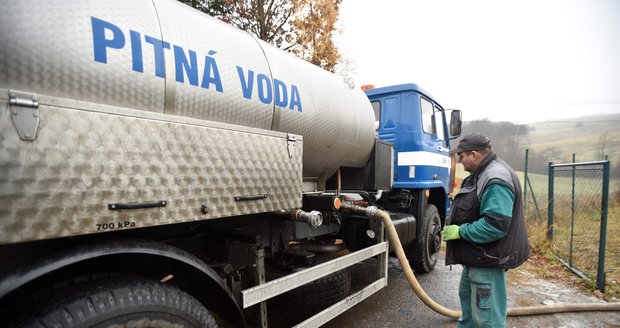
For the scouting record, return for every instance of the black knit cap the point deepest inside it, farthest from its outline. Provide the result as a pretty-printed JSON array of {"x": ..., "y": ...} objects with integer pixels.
[{"x": 472, "y": 141}]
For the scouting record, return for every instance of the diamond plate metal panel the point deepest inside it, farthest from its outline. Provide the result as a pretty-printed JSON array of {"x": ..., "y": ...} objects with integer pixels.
[{"x": 85, "y": 158}]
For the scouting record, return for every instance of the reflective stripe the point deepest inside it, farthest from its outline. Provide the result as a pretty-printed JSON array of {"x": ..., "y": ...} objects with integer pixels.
[{"x": 423, "y": 158}]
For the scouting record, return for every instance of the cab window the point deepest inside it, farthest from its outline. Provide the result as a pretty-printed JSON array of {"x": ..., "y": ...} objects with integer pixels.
[
  {"x": 438, "y": 121},
  {"x": 432, "y": 120},
  {"x": 428, "y": 122},
  {"x": 376, "y": 107}
]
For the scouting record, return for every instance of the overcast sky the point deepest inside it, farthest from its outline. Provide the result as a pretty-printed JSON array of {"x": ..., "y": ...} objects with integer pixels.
[{"x": 520, "y": 61}]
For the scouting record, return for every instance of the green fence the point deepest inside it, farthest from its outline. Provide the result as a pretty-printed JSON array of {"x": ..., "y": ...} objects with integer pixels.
[
  {"x": 577, "y": 216},
  {"x": 576, "y": 207}
]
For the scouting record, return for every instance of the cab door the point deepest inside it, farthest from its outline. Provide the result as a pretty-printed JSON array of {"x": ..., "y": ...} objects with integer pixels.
[
  {"x": 387, "y": 120},
  {"x": 434, "y": 143},
  {"x": 433, "y": 125}
]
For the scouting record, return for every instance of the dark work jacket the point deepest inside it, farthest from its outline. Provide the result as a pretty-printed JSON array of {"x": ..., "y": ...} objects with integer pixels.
[{"x": 508, "y": 252}]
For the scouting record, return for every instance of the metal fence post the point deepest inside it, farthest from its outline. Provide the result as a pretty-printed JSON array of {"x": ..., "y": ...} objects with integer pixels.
[
  {"x": 527, "y": 152},
  {"x": 572, "y": 215},
  {"x": 600, "y": 277},
  {"x": 550, "y": 203}
]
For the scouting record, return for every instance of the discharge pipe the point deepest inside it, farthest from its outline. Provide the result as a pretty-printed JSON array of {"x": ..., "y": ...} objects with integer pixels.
[{"x": 374, "y": 212}]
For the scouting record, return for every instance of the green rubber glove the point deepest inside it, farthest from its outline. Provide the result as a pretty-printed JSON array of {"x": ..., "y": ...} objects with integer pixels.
[{"x": 451, "y": 232}]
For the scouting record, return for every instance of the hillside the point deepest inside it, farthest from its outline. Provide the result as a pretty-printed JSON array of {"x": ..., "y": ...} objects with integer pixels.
[
  {"x": 555, "y": 141},
  {"x": 585, "y": 136}
]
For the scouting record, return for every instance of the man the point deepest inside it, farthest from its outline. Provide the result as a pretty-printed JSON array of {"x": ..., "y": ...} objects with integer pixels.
[{"x": 485, "y": 232}]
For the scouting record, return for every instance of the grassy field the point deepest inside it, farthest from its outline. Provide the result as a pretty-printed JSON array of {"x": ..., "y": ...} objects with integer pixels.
[{"x": 584, "y": 137}]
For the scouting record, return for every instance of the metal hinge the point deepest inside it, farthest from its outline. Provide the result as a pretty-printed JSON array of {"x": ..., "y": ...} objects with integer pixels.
[
  {"x": 291, "y": 140},
  {"x": 24, "y": 113}
]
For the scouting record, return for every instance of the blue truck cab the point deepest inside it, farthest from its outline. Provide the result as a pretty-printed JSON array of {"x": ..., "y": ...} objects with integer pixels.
[{"x": 420, "y": 130}]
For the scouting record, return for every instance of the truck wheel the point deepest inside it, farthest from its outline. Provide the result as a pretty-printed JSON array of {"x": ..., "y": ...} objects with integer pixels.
[
  {"x": 121, "y": 303},
  {"x": 321, "y": 292},
  {"x": 422, "y": 254}
]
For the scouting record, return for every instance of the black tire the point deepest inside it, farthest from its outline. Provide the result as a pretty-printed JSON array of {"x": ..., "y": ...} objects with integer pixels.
[
  {"x": 423, "y": 253},
  {"x": 125, "y": 302},
  {"x": 319, "y": 293}
]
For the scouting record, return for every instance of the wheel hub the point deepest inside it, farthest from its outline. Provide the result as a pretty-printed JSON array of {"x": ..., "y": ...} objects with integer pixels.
[{"x": 435, "y": 240}]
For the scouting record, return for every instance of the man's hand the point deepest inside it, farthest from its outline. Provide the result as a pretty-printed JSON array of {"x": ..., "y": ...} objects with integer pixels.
[{"x": 451, "y": 232}]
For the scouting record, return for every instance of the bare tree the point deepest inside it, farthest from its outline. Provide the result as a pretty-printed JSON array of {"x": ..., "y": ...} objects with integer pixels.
[
  {"x": 509, "y": 140},
  {"x": 314, "y": 29},
  {"x": 303, "y": 27}
]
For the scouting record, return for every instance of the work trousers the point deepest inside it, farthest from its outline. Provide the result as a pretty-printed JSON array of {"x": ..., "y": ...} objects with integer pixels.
[{"x": 483, "y": 297}]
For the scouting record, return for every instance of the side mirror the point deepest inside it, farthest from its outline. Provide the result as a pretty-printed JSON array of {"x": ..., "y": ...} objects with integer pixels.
[{"x": 455, "y": 123}]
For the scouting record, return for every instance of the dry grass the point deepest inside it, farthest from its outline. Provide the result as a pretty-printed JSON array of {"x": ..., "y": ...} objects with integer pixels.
[
  {"x": 545, "y": 264},
  {"x": 612, "y": 256}
]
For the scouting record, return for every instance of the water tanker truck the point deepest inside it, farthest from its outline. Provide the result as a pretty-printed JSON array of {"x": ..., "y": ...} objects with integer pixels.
[{"x": 159, "y": 167}]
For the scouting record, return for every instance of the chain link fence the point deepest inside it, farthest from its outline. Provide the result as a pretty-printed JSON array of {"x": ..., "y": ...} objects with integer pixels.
[
  {"x": 577, "y": 216},
  {"x": 536, "y": 186},
  {"x": 573, "y": 197}
]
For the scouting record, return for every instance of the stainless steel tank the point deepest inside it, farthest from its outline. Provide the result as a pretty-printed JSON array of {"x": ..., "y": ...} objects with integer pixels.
[{"x": 166, "y": 57}]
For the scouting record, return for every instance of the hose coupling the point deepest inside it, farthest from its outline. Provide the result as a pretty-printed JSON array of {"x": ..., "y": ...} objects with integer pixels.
[
  {"x": 370, "y": 211},
  {"x": 313, "y": 218}
]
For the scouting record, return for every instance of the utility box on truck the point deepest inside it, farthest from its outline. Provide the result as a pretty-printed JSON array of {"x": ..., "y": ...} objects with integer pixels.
[{"x": 159, "y": 167}]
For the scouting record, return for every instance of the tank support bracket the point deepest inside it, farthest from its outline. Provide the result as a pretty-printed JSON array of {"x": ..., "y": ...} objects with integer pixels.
[
  {"x": 24, "y": 113},
  {"x": 291, "y": 144}
]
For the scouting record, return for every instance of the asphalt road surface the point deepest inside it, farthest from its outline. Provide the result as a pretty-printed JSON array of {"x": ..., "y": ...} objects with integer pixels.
[{"x": 397, "y": 306}]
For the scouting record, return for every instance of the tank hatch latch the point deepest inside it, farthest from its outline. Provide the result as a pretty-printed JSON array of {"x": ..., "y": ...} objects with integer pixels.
[
  {"x": 24, "y": 113},
  {"x": 291, "y": 139}
]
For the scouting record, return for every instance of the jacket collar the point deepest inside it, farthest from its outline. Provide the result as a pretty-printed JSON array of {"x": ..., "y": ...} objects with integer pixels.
[
  {"x": 471, "y": 181},
  {"x": 483, "y": 165}
]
